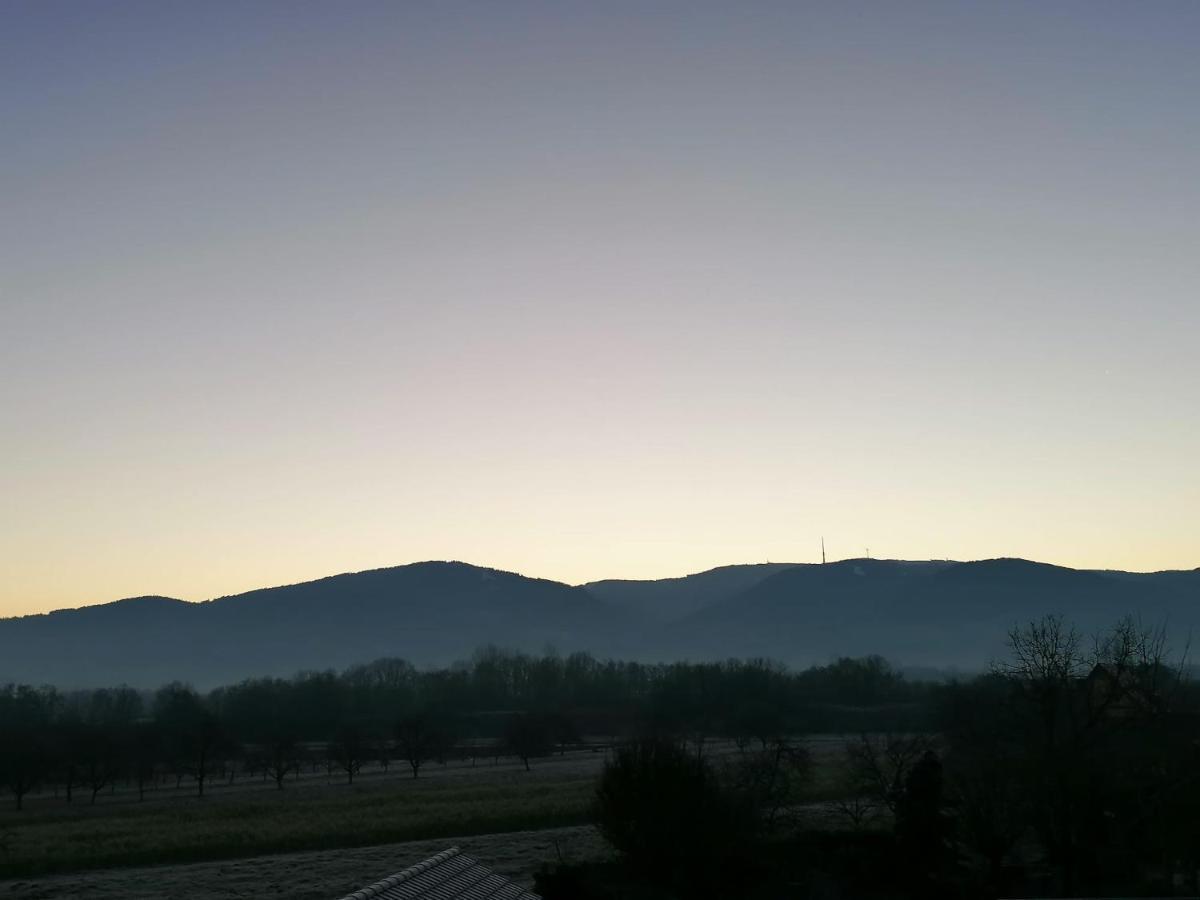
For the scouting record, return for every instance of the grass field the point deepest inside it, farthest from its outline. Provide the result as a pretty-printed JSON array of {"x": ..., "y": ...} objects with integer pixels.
[
  {"x": 244, "y": 834},
  {"x": 232, "y": 823}
]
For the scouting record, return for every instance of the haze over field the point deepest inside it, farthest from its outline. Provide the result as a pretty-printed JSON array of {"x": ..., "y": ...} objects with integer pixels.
[{"x": 592, "y": 290}]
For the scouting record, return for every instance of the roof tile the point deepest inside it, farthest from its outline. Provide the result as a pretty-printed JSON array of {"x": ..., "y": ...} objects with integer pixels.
[{"x": 450, "y": 875}]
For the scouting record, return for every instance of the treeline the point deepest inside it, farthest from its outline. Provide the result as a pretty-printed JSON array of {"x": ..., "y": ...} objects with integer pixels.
[{"x": 388, "y": 710}]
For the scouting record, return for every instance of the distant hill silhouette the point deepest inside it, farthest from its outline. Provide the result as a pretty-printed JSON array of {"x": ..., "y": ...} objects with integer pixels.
[
  {"x": 670, "y": 599},
  {"x": 929, "y": 613},
  {"x": 926, "y": 614},
  {"x": 430, "y": 612}
]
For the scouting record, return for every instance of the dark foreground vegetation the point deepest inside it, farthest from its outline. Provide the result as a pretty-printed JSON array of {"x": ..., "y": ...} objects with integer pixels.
[{"x": 1070, "y": 769}]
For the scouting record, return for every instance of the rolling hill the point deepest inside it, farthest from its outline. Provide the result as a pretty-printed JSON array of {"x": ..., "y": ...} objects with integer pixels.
[
  {"x": 927, "y": 614},
  {"x": 431, "y": 612},
  {"x": 671, "y": 599}
]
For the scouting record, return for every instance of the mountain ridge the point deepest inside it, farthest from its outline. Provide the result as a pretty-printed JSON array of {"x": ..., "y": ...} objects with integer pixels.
[
  {"x": 949, "y": 614},
  {"x": 917, "y": 612},
  {"x": 1114, "y": 573}
]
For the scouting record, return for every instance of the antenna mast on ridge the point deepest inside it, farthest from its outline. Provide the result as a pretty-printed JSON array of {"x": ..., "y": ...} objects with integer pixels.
[{"x": 822, "y": 551}]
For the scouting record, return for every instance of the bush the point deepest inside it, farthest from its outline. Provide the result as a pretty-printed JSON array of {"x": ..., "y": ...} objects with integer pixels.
[{"x": 671, "y": 817}]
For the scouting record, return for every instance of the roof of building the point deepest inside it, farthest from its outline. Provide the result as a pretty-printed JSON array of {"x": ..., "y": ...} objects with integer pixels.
[{"x": 448, "y": 876}]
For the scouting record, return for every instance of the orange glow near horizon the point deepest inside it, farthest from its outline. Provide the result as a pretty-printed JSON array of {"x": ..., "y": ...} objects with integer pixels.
[{"x": 287, "y": 292}]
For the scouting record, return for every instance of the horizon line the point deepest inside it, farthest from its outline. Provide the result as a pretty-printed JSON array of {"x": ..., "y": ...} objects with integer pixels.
[{"x": 584, "y": 584}]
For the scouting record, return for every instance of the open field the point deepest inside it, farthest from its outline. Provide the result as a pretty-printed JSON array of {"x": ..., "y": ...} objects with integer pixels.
[
  {"x": 250, "y": 838},
  {"x": 249, "y": 820}
]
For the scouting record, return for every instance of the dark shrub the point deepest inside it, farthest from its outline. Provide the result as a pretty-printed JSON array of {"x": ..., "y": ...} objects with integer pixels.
[{"x": 667, "y": 812}]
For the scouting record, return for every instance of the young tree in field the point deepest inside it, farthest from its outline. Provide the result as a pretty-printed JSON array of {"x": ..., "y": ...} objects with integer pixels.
[
  {"x": 68, "y": 740},
  {"x": 143, "y": 751},
  {"x": 528, "y": 735},
  {"x": 25, "y": 715},
  {"x": 207, "y": 741},
  {"x": 383, "y": 753},
  {"x": 102, "y": 732},
  {"x": 194, "y": 736},
  {"x": 100, "y": 757},
  {"x": 418, "y": 739},
  {"x": 22, "y": 764},
  {"x": 564, "y": 731},
  {"x": 268, "y": 715},
  {"x": 856, "y": 807},
  {"x": 349, "y": 749},
  {"x": 281, "y": 756},
  {"x": 468, "y": 728}
]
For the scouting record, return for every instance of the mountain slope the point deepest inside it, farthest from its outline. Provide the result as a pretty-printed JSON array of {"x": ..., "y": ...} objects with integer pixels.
[
  {"x": 931, "y": 614},
  {"x": 941, "y": 614},
  {"x": 670, "y": 599},
  {"x": 427, "y": 612}
]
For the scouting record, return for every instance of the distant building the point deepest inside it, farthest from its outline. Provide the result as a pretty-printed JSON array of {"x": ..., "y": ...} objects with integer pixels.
[{"x": 448, "y": 875}]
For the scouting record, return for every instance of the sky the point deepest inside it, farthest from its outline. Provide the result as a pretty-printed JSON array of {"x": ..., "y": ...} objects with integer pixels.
[{"x": 590, "y": 290}]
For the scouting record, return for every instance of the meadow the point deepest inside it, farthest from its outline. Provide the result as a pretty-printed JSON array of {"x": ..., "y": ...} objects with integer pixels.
[
  {"x": 250, "y": 836},
  {"x": 313, "y": 813}
]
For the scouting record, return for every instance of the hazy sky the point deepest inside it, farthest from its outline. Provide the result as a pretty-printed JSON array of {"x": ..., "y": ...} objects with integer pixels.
[{"x": 592, "y": 289}]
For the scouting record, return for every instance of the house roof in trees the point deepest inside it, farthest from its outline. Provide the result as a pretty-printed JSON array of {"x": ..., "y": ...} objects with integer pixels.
[{"x": 448, "y": 876}]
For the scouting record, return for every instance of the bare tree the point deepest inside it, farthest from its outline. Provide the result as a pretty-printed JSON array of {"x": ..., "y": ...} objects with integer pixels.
[
  {"x": 194, "y": 735},
  {"x": 418, "y": 740},
  {"x": 99, "y": 759},
  {"x": 773, "y": 778},
  {"x": 281, "y": 757},
  {"x": 25, "y": 714},
  {"x": 528, "y": 735},
  {"x": 143, "y": 748},
  {"x": 877, "y": 766},
  {"x": 856, "y": 807},
  {"x": 348, "y": 749},
  {"x": 1076, "y": 716}
]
